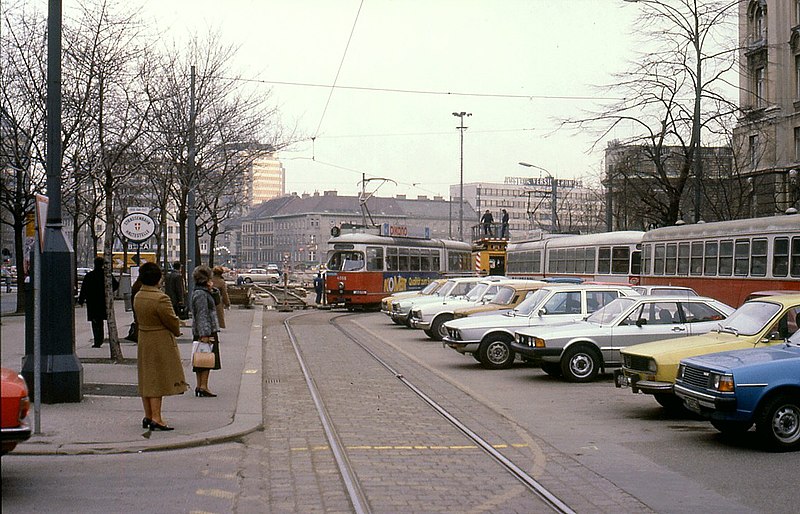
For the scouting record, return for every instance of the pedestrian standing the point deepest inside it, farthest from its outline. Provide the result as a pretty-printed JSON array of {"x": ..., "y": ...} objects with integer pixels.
[
  {"x": 504, "y": 224},
  {"x": 158, "y": 359},
  {"x": 319, "y": 287},
  {"x": 175, "y": 288},
  {"x": 487, "y": 219},
  {"x": 205, "y": 326},
  {"x": 93, "y": 294},
  {"x": 218, "y": 281}
]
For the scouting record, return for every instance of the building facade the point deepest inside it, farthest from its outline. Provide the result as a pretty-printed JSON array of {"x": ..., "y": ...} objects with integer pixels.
[
  {"x": 295, "y": 229},
  {"x": 767, "y": 137},
  {"x": 267, "y": 177}
]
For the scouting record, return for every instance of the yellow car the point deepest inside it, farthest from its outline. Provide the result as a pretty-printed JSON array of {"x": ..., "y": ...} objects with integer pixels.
[
  {"x": 509, "y": 296},
  {"x": 386, "y": 303},
  {"x": 651, "y": 368}
]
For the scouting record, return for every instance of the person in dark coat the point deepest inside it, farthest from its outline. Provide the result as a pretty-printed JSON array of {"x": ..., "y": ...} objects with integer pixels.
[
  {"x": 205, "y": 326},
  {"x": 93, "y": 294},
  {"x": 175, "y": 288},
  {"x": 487, "y": 219},
  {"x": 504, "y": 223},
  {"x": 319, "y": 287}
]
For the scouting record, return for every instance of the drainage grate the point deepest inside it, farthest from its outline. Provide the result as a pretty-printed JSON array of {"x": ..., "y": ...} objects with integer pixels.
[
  {"x": 111, "y": 389},
  {"x": 105, "y": 360}
]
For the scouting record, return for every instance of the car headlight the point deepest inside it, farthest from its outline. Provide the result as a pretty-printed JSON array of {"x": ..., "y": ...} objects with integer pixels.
[
  {"x": 538, "y": 342},
  {"x": 652, "y": 366},
  {"x": 722, "y": 383},
  {"x": 681, "y": 367}
]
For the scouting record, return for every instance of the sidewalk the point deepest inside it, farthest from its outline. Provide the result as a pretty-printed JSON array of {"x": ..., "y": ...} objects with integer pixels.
[{"x": 108, "y": 420}]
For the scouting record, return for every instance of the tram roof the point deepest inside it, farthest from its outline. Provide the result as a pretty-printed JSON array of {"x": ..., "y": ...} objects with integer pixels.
[
  {"x": 610, "y": 238},
  {"x": 398, "y": 241},
  {"x": 786, "y": 223}
]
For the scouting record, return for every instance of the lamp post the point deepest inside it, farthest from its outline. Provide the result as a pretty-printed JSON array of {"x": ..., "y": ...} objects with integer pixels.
[
  {"x": 553, "y": 194},
  {"x": 461, "y": 129}
]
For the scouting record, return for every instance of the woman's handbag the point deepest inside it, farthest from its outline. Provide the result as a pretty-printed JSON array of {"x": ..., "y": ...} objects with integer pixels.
[
  {"x": 203, "y": 355},
  {"x": 216, "y": 295}
]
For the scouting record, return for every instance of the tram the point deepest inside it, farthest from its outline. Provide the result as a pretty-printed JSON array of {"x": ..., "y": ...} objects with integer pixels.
[
  {"x": 609, "y": 257},
  {"x": 363, "y": 268},
  {"x": 726, "y": 260}
]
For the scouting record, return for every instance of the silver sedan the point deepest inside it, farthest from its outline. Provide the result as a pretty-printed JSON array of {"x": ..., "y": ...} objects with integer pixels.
[{"x": 579, "y": 350}]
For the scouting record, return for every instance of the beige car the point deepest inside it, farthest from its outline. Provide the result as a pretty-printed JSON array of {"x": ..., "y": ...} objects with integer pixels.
[
  {"x": 386, "y": 303},
  {"x": 509, "y": 296},
  {"x": 651, "y": 368}
]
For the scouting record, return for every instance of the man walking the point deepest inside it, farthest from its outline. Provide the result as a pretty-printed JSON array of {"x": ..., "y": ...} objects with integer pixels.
[
  {"x": 93, "y": 293},
  {"x": 319, "y": 287}
]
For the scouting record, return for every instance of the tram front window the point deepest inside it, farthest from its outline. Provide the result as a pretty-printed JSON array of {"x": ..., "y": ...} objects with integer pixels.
[{"x": 346, "y": 261}]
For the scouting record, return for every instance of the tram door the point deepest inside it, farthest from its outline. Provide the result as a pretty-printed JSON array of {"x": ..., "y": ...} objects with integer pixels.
[{"x": 497, "y": 265}]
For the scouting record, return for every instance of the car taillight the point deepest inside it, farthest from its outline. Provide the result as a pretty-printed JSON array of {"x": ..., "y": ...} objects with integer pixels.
[{"x": 24, "y": 407}]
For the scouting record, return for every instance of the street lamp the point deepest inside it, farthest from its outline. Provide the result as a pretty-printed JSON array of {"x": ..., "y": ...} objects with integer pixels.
[
  {"x": 461, "y": 129},
  {"x": 553, "y": 194}
]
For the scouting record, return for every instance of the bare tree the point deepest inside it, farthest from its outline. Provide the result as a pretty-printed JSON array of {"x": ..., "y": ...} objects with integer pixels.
[
  {"x": 23, "y": 71},
  {"x": 672, "y": 95}
]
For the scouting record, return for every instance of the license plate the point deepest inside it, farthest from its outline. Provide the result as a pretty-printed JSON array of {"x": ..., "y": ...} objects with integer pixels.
[{"x": 692, "y": 404}]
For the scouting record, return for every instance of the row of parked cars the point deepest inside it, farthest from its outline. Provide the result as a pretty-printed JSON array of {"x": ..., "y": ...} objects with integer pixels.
[{"x": 657, "y": 339}]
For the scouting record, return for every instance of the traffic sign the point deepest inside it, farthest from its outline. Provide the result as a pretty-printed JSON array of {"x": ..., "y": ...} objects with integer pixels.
[{"x": 137, "y": 227}]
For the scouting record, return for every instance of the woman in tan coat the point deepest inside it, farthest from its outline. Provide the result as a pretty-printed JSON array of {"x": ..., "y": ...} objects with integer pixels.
[
  {"x": 219, "y": 282},
  {"x": 159, "y": 361}
]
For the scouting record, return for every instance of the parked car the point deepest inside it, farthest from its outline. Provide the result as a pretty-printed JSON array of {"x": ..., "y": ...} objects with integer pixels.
[
  {"x": 454, "y": 287},
  {"x": 737, "y": 389},
  {"x": 508, "y": 296},
  {"x": 650, "y": 368},
  {"x": 432, "y": 287},
  {"x": 258, "y": 275},
  {"x": 488, "y": 338},
  {"x": 431, "y": 316},
  {"x": 666, "y": 290},
  {"x": 81, "y": 272},
  {"x": 578, "y": 351},
  {"x": 14, "y": 410}
]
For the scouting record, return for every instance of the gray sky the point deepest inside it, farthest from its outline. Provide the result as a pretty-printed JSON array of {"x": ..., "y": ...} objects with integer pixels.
[{"x": 539, "y": 57}]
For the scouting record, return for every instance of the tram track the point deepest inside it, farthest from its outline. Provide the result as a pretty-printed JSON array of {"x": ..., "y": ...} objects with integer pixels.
[{"x": 350, "y": 478}]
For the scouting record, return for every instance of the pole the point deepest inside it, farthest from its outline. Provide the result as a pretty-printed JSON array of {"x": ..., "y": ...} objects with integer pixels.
[
  {"x": 37, "y": 335},
  {"x": 554, "y": 199},
  {"x": 191, "y": 229},
  {"x": 461, "y": 129},
  {"x": 697, "y": 163}
]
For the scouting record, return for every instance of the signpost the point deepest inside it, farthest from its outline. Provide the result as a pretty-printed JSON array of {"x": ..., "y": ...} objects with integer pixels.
[{"x": 137, "y": 227}]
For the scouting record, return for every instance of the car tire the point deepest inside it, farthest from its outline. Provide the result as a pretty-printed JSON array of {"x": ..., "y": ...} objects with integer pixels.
[
  {"x": 580, "y": 363},
  {"x": 670, "y": 402},
  {"x": 437, "y": 327},
  {"x": 778, "y": 423},
  {"x": 495, "y": 352},
  {"x": 248, "y": 280},
  {"x": 552, "y": 368},
  {"x": 476, "y": 356}
]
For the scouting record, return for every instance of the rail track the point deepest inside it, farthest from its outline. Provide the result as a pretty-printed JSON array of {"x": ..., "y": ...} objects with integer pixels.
[{"x": 355, "y": 490}]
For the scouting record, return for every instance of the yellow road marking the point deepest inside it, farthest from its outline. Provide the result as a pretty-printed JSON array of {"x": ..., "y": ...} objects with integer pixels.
[{"x": 216, "y": 493}]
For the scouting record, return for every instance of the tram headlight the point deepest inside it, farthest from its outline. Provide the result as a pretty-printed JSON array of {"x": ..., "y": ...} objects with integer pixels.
[{"x": 341, "y": 287}]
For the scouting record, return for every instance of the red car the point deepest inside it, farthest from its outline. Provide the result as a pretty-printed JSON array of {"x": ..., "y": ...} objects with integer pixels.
[{"x": 15, "y": 405}]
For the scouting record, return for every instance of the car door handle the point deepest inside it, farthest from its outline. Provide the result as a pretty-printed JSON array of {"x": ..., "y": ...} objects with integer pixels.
[{"x": 679, "y": 329}]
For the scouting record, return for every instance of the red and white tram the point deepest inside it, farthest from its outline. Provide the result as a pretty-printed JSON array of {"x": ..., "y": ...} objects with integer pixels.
[
  {"x": 365, "y": 268},
  {"x": 607, "y": 257},
  {"x": 726, "y": 260}
]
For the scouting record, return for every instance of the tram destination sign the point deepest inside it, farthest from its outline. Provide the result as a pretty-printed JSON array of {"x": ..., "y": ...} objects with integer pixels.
[
  {"x": 390, "y": 230},
  {"x": 137, "y": 227}
]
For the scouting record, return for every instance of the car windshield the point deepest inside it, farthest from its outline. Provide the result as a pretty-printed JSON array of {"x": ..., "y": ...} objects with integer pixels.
[
  {"x": 504, "y": 296},
  {"x": 446, "y": 288},
  {"x": 750, "y": 318},
  {"x": 476, "y": 292},
  {"x": 430, "y": 288},
  {"x": 345, "y": 261},
  {"x": 526, "y": 307},
  {"x": 611, "y": 311}
]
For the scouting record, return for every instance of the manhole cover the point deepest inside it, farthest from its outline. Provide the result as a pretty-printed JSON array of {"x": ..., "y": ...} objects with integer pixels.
[{"x": 111, "y": 389}]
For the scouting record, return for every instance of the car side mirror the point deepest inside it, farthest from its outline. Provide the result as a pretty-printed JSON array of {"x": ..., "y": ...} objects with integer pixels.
[
  {"x": 640, "y": 322},
  {"x": 542, "y": 311}
]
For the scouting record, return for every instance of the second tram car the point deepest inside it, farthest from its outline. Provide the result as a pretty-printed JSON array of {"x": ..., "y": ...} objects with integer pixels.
[
  {"x": 726, "y": 260},
  {"x": 607, "y": 257},
  {"x": 365, "y": 268}
]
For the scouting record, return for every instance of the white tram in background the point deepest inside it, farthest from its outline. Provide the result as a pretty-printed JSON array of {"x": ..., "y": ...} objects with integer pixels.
[
  {"x": 606, "y": 257},
  {"x": 364, "y": 268},
  {"x": 726, "y": 260}
]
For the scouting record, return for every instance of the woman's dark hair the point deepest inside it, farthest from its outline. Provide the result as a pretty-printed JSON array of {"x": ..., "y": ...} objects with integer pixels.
[{"x": 150, "y": 274}]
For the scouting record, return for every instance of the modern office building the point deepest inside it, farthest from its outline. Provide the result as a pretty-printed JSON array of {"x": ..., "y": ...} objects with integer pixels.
[{"x": 267, "y": 177}]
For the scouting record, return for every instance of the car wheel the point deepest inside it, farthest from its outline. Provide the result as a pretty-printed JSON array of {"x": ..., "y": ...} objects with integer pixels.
[
  {"x": 438, "y": 330},
  {"x": 731, "y": 427},
  {"x": 495, "y": 352},
  {"x": 778, "y": 424},
  {"x": 248, "y": 280},
  {"x": 428, "y": 333},
  {"x": 580, "y": 363},
  {"x": 476, "y": 356},
  {"x": 552, "y": 368},
  {"x": 670, "y": 402},
  {"x": 397, "y": 322}
]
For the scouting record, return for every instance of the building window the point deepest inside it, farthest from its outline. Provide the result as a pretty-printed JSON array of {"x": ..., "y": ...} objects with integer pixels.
[
  {"x": 759, "y": 87},
  {"x": 757, "y": 22},
  {"x": 797, "y": 144},
  {"x": 797, "y": 76},
  {"x": 753, "y": 151},
  {"x": 797, "y": 12}
]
